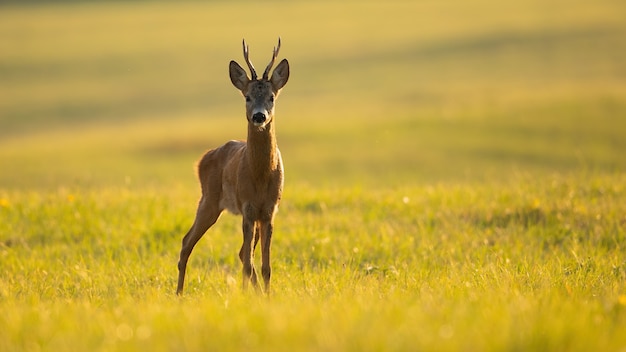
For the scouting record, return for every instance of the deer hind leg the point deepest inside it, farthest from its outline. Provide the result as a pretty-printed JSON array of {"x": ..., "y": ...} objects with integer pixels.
[
  {"x": 206, "y": 216},
  {"x": 246, "y": 254}
]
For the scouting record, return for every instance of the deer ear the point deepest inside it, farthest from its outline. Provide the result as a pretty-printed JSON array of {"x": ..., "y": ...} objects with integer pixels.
[
  {"x": 280, "y": 75},
  {"x": 238, "y": 75}
]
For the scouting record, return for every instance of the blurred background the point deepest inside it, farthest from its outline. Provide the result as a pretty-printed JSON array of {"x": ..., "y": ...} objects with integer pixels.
[{"x": 381, "y": 93}]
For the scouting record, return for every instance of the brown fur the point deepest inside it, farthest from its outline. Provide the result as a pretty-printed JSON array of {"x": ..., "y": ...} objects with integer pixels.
[{"x": 244, "y": 177}]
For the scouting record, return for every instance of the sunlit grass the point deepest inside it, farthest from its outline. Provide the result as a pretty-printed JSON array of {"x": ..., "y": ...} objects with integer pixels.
[{"x": 486, "y": 267}]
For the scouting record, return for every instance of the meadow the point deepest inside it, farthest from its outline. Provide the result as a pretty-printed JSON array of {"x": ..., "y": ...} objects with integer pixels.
[{"x": 455, "y": 176}]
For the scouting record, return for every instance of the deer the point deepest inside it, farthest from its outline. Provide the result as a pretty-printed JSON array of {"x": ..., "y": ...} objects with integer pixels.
[{"x": 244, "y": 177}]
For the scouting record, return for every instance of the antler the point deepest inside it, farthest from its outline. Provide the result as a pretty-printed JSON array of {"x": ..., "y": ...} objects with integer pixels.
[
  {"x": 269, "y": 66},
  {"x": 245, "y": 56}
]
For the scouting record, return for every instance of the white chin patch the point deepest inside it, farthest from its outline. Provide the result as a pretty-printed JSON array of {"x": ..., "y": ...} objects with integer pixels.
[{"x": 260, "y": 126}]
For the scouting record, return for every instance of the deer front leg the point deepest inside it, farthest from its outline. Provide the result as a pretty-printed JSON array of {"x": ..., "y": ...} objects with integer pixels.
[
  {"x": 246, "y": 253},
  {"x": 266, "y": 240}
]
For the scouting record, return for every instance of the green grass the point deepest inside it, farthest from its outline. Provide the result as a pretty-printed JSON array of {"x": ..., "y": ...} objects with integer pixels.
[
  {"x": 528, "y": 265},
  {"x": 455, "y": 176}
]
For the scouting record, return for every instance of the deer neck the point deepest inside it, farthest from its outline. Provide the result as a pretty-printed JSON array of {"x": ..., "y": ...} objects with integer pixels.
[{"x": 261, "y": 151}]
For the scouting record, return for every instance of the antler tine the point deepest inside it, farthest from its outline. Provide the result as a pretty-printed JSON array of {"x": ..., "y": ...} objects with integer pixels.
[
  {"x": 246, "y": 56},
  {"x": 269, "y": 66}
]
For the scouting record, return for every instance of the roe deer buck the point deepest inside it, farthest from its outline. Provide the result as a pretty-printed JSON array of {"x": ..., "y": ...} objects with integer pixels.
[{"x": 244, "y": 177}]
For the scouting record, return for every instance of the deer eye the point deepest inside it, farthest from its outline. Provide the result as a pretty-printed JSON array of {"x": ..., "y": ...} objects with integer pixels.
[
  {"x": 271, "y": 98},
  {"x": 248, "y": 98}
]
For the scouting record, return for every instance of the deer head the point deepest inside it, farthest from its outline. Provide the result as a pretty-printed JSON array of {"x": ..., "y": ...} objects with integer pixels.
[{"x": 261, "y": 93}]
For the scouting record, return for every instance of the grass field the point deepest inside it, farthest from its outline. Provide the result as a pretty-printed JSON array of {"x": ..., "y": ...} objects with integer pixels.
[{"x": 455, "y": 176}]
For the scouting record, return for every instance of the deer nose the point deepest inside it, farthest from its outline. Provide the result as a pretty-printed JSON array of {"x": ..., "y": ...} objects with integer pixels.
[{"x": 259, "y": 117}]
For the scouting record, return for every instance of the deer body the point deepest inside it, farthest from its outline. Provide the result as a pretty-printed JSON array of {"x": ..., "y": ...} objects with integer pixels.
[{"x": 244, "y": 178}]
